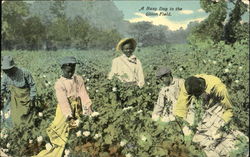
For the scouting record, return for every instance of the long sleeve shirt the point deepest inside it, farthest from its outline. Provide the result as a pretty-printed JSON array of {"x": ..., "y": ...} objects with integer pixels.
[
  {"x": 74, "y": 87},
  {"x": 127, "y": 69},
  {"x": 167, "y": 97},
  {"x": 21, "y": 79},
  {"x": 213, "y": 86}
]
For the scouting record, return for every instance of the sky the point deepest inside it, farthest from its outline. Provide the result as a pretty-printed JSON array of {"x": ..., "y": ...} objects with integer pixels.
[{"x": 187, "y": 11}]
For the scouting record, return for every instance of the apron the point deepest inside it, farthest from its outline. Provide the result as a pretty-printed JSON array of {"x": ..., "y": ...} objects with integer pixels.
[
  {"x": 58, "y": 131},
  {"x": 20, "y": 106}
]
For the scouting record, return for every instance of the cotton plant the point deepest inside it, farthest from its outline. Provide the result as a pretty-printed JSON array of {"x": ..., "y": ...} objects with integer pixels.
[
  {"x": 48, "y": 146},
  {"x": 86, "y": 133},
  {"x": 127, "y": 109}
]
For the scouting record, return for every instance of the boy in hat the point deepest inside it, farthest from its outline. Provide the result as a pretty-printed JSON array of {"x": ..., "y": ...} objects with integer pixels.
[
  {"x": 20, "y": 84},
  {"x": 73, "y": 101},
  {"x": 167, "y": 96},
  {"x": 127, "y": 67}
]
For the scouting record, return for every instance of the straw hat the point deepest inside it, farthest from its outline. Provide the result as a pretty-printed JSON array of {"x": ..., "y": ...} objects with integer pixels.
[
  {"x": 7, "y": 62},
  {"x": 121, "y": 43}
]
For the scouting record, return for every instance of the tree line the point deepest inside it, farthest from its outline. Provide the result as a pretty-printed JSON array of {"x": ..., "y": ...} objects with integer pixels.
[
  {"x": 23, "y": 30},
  {"x": 222, "y": 24},
  {"x": 53, "y": 25}
]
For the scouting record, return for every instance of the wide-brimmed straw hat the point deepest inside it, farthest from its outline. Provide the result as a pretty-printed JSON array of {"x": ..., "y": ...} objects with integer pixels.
[
  {"x": 121, "y": 43},
  {"x": 7, "y": 62}
]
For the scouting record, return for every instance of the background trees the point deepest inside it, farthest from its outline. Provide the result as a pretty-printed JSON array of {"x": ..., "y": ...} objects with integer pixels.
[
  {"x": 51, "y": 25},
  {"x": 222, "y": 23}
]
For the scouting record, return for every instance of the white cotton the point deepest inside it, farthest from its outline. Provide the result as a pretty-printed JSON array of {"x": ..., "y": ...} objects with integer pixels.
[
  {"x": 40, "y": 114},
  {"x": 129, "y": 155},
  {"x": 143, "y": 138},
  {"x": 48, "y": 146},
  {"x": 186, "y": 131},
  {"x": 114, "y": 89},
  {"x": 7, "y": 115},
  {"x": 94, "y": 114},
  {"x": 86, "y": 133},
  {"x": 78, "y": 133},
  {"x": 67, "y": 151},
  {"x": 39, "y": 139},
  {"x": 140, "y": 111},
  {"x": 97, "y": 136},
  {"x": 77, "y": 122},
  {"x": 123, "y": 143},
  {"x": 127, "y": 108}
]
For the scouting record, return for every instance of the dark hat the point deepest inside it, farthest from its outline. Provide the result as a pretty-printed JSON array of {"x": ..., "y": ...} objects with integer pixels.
[
  {"x": 121, "y": 42},
  {"x": 7, "y": 62},
  {"x": 162, "y": 71},
  {"x": 68, "y": 60}
]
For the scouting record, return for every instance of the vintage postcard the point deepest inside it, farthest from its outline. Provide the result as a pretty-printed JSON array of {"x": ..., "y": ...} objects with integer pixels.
[{"x": 121, "y": 78}]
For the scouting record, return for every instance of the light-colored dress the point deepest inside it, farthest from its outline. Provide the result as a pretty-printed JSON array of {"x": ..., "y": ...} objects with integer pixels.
[{"x": 73, "y": 100}]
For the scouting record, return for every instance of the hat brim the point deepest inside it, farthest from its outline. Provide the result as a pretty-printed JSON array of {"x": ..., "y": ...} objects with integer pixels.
[
  {"x": 7, "y": 67},
  {"x": 118, "y": 47},
  {"x": 69, "y": 63}
]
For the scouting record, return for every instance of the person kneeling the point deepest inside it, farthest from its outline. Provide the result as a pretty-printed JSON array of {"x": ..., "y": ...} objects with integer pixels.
[{"x": 167, "y": 96}]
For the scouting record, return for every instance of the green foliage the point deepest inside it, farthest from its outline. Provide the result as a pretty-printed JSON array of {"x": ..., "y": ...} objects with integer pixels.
[
  {"x": 52, "y": 25},
  {"x": 34, "y": 32},
  {"x": 124, "y": 124},
  {"x": 243, "y": 147},
  {"x": 216, "y": 27},
  {"x": 212, "y": 27},
  {"x": 147, "y": 34},
  {"x": 13, "y": 14},
  {"x": 24, "y": 28},
  {"x": 233, "y": 26}
]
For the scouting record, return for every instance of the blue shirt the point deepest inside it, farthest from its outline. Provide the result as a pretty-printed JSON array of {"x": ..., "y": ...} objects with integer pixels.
[{"x": 21, "y": 79}]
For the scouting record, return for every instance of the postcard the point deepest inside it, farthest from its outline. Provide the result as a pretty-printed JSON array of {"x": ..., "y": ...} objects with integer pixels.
[{"x": 125, "y": 78}]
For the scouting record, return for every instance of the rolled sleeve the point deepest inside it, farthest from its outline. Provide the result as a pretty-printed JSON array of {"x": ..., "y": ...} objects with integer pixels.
[
  {"x": 141, "y": 81},
  {"x": 114, "y": 69},
  {"x": 222, "y": 92},
  {"x": 4, "y": 85},
  {"x": 31, "y": 84},
  {"x": 62, "y": 100},
  {"x": 181, "y": 107},
  {"x": 86, "y": 102},
  {"x": 158, "y": 108}
]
